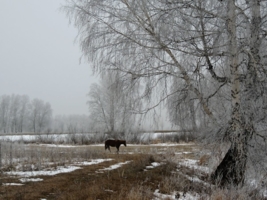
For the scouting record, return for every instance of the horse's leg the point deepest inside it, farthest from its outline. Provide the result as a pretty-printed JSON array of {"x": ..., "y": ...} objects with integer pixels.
[
  {"x": 118, "y": 148},
  {"x": 109, "y": 148}
]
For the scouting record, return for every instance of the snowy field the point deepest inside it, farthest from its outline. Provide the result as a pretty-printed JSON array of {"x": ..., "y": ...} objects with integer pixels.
[
  {"x": 37, "y": 168},
  {"x": 67, "y": 138},
  {"x": 28, "y": 163}
]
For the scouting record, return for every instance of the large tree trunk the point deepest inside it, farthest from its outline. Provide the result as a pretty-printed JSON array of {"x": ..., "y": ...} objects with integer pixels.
[
  {"x": 231, "y": 171},
  {"x": 232, "y": 168}
]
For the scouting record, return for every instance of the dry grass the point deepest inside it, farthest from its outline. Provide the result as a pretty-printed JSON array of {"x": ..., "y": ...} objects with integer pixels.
[
  {"x": 204, "y": 160},
  {"x": 130, "y": 181}
]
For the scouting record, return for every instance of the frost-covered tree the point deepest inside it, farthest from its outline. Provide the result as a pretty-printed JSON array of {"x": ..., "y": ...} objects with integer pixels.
[
  {"x": 13, "y": 108},
  {"x": 4, "y": 110},
  {"x": 59, "y": 124},
  {"x": 40, "y": 115},
  {"x": 23, "y": 113},
  {"x": 215, "y": 50},
  {"x": 111, "y": 104},
  {"x": 14, "y": 113}
]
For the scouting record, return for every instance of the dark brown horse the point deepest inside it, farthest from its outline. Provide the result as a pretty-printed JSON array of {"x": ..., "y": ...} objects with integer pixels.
[{"x": 114, "y": 143}]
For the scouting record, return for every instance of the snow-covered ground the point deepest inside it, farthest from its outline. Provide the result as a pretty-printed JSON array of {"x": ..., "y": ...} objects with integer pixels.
[
  {"x": 48, "y": 137},
  {"x": 34, "y": 176},
  {"x": 193, "y": 164},
  {"x": 63, "y": 138},
  {"x": 130, "y": 145},
  {"x": 58, "y": 170}
]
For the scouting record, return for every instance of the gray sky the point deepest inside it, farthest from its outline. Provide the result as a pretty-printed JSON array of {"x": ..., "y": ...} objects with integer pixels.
[{"x": 38, "y": 56}]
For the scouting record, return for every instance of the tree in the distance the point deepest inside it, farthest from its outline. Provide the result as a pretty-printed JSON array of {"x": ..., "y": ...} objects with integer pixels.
[
  {"x": 40, "y": 115},
  {"x": 23, "y": 113},
  {"x": 4, "y": 113},
  {"x": 110, "y": 106}
]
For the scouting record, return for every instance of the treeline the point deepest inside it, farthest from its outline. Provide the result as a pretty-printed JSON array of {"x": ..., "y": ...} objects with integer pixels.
[{"x": 20, "y": 114}]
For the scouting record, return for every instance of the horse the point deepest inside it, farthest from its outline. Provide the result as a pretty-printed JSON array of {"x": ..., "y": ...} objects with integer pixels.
[{"x": 114, "y": 143}]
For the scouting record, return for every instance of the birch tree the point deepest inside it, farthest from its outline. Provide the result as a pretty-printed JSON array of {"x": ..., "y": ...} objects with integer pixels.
[
  {"x": 214, "y": 49},
  {"x": 23, "y": 113},
  {"x": 4, "y": 109},
  {"x": 111, "y": 104},
  {"x": 14, "y": 113},
  {"x": 40, "y": 115}
]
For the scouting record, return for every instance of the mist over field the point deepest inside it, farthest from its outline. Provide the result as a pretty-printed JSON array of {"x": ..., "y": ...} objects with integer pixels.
[{"x": 180, "y": 86}]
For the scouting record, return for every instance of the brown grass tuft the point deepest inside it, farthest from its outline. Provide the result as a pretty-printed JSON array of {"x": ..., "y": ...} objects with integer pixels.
[{"x": 204, "y": 160}]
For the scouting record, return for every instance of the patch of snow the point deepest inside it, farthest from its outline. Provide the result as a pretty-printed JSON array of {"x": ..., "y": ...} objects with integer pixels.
[
  {"x": 12, "y": 184},
  {"x": 158, "y": 135},
  {"x": 17, "y": 137},
  {"x": 175, "y": 195},
  {"x": 172, "y": 144},
  {"x": 107, "y": 190},
  {"x": 163, "y": 144},
  {"x": 196, "y": 179},
  {"x": 98, "y": 145},
  {"x": 178, "y": 153},
  {"x": 193, "y": 164},
  {"x": 256, "y": 184},
  {"x": 159, "y": 196},
  {"x": 59, "y": 170},
  {"x": 43, "y": 172},
  {"x": 190, "y": 162},
  {"x": 253, "y": 183},
  {"x": 114, "y": 166},
  {"x": 153, "y": 165},
  {"x": 92, "y": 162},
  {"x": 58, "y": 145},
  {"x": 188, "y": 196},
  {"x": 23, "y": 180},
  {"x": 33, "y": 137}
]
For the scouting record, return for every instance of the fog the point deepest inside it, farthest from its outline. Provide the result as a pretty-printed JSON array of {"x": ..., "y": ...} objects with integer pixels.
[{"x": 40, "y": 58}]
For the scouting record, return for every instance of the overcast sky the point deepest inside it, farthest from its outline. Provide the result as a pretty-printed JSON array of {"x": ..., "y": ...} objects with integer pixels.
[{"x": 38, "y": 56}]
